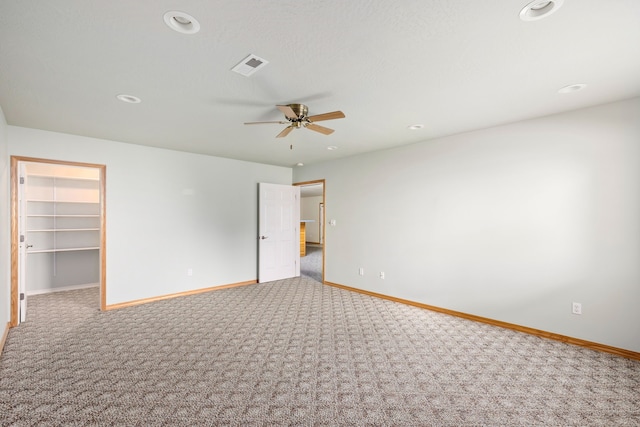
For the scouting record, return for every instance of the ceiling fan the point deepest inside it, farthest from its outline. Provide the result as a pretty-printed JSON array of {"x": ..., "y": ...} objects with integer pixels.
[{"x": 296, "y": 115}]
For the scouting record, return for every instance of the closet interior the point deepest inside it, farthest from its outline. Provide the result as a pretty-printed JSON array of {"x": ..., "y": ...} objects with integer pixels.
[{"x": 61, "y": 218}]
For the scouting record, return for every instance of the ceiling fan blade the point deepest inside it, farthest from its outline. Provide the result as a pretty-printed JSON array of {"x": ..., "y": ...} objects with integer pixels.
[
  {"x": 326, "y": 116},
  {"x": 317, "y": 128},
  {"x": 285, "y": 132},
  {"x": 262, "y": 123},
  {"x": 288, "y": 111}
]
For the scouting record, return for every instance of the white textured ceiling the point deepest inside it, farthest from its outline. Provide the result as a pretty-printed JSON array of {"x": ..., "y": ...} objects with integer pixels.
[{"x": 452, "y": 65}]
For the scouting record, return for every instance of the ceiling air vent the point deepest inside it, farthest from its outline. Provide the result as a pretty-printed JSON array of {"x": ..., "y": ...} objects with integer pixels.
[{"x": 250, "y": 65}]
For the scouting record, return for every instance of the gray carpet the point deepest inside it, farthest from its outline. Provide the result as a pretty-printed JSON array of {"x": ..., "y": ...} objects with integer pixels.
[
  {"x": 311, "y": 263},
  {"x": 296, "y": 352}
]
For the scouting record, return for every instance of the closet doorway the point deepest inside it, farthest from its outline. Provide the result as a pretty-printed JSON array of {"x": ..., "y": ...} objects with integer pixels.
[
  {"x": 312, "y": 253},
  {"x": 57, "y": 229}
]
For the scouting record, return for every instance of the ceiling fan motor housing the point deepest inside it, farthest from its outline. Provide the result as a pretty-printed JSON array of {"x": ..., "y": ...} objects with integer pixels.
[{"x": 300, "y": 110}]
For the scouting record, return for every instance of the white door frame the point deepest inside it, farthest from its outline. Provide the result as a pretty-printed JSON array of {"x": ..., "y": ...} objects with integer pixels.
[
  {"x": 15, "y": 231},
  {"x": 320, "y": 217}
]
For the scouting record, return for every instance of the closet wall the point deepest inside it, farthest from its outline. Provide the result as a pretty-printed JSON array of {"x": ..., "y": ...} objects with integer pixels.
[{"x": 62, "y": 227}]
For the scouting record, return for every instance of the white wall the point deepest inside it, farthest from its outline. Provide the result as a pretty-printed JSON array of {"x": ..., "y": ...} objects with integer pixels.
[
  {"x": 309, "y": 209},
  {"x": 5, "y": 252},
  {"x": 167, "y": 211},
  {"x": 513, "y": 223}
]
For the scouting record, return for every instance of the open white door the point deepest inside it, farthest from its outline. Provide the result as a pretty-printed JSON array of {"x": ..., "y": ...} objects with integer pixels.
[
  {"x": 278, "y": 232},
  {"x": 23, "y": 244}
]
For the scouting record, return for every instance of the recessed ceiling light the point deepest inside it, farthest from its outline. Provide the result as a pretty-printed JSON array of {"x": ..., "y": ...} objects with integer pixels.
[
  {"x": 572, "y": 88},
  {"x": 332, "y": 147},
  {"x": 300, "y": 164},
  {"x": 181, "y": 22},
  {"x": 539, "y": 9},
  {"x": 416, "y": 127},
  {"x": 541, "y": 5},
  {"x": 129, "y": 99}
]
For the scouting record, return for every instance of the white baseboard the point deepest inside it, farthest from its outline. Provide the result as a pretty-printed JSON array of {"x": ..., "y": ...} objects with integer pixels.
[{"x": 62, "y": 289}]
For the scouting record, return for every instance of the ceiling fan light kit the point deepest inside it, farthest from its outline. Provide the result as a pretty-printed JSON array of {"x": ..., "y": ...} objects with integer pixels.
[{"x": 297, "y": 117}]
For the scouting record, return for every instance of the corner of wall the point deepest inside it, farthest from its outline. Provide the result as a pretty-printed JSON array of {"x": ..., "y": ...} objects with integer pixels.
[{"x": 5, "y": 279}]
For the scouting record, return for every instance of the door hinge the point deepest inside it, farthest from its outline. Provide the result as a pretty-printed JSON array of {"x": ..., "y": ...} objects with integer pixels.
[
  {"x": 22, "y": 238},
  {"x": 22, "y": 296},
  {"x": 22, "y": 180}
]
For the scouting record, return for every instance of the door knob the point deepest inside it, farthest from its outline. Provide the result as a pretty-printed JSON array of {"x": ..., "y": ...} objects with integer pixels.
[
  {"x": 29, "y": 246},
  {"x": 264, "y": 237}
]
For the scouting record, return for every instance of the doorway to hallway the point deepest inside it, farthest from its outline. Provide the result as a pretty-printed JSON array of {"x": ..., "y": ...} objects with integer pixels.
[{"x": 312, "y": 251}]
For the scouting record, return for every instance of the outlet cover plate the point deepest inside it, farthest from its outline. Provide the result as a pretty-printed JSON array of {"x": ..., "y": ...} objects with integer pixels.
[{"x": 576, "y": 308}]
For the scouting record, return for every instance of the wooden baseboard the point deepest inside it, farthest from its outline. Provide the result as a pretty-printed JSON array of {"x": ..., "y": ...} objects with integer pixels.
[
  {"x": 179, "y": 294},
  {"x": 4, "y": 336},
  {"x": 537, "y": 332}
]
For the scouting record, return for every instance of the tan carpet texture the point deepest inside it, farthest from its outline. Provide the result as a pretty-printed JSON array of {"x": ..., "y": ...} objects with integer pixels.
[{"x": 296, "y": 352}]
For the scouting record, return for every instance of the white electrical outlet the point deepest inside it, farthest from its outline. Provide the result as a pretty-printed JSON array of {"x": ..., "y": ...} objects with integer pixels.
[
  {"x": 189, "y": 272},
  {"x": 361, "y": 271},
  {"x": 382, "y": 274},
  {"x": 576, "y": 308}
]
